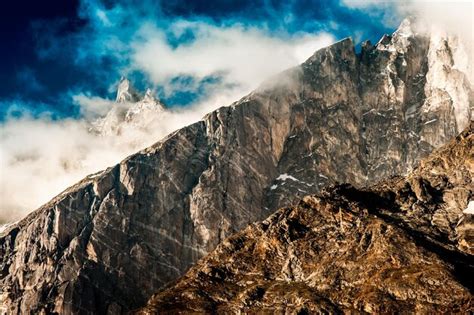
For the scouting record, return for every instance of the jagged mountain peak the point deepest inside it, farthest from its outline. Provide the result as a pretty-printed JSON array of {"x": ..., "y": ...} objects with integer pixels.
[
  {"x": 126, "y": 92},
  {"x": 150, "y": 98},
  {"x": 344, "y": 45},
  {"x": 403, "y": 37},
  {"x": 407, "y": 27},
  {"x": 148, "y": 94},
  {"x": 133, "y": 110}
]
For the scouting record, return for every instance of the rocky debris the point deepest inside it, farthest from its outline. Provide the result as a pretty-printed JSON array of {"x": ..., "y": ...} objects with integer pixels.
[
  {"x": 115, "y": 238},
  {"x": 396, "y": 247}
]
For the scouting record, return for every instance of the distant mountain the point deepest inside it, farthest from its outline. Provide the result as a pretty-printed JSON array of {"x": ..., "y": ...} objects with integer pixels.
[
  {"x": 115, "y": 238},
  {"x": 402, "y": 246},
  {"x": 133, "y": 111}
]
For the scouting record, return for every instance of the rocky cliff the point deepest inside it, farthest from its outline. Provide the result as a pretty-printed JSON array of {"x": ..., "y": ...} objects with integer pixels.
[
  {"x": 402, "y": 246},
  {"x": 115, "y": 238}
]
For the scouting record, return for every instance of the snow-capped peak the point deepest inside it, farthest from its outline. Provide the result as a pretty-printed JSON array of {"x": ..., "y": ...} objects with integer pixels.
[
  {"x": 126, "y": 92},
  {"x": 149, "y": 98},
  {"x": 399, "y": 41},
  {"x": 406, "y": 28},
  {"x": 133, "y": 110}
]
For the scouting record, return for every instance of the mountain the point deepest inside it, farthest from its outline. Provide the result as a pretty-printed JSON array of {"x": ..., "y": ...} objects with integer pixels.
[
  {"x": 402, "y": 246},
  {"x": 132, "y": 111},
  {"x": 115, "y": 238},
  {"x": 126, "y": 92}
]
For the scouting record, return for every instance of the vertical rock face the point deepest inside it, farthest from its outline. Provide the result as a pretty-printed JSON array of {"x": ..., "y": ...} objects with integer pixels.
[
  {"x": 397, "y": 247},
  {"x": 109, "y": 242}
]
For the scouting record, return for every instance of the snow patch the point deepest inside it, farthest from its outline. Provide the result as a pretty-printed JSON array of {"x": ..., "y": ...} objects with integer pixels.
[
  {"x": 373, "y": 111},
  {"x": 286, "y": 176},
  {"x": 430, "y": 121},
  {"x": 470, "y": 208},
  {"x": 3, "y": 227},
  {"x": 96, "y": 174},
  {"x": 370, "y": 111}
]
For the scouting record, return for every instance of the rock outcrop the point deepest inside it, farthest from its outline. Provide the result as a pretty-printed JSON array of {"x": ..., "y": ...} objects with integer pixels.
[
  {"x": 403, "y": 246},
  {"x": 109, "y": 242}
]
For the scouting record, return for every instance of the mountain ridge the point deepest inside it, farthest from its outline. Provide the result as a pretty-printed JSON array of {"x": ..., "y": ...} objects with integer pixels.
[
  {"x": 132, "y": 110},
  {"x": 112, "y": 240}
]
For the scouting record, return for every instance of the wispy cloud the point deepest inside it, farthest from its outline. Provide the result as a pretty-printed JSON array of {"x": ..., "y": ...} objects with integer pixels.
[{"x": 236, "y": 54}]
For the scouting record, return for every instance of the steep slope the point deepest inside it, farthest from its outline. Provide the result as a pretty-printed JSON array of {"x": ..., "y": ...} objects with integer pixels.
[
  {"x": 396, "y": 247},
  {"x": 116, "y": 237}
]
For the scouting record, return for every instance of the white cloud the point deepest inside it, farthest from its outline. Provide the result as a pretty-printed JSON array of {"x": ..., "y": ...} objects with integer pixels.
[
  {"x": 92, "y": 106},
  {"x": 243, "y": 56}
]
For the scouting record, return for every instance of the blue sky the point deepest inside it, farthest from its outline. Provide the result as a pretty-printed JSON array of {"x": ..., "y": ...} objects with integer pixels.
[{"x": 56, "y": 49}]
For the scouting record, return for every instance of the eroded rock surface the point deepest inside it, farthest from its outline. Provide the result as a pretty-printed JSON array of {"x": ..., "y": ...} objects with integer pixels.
[
  {"x": 112, "y": 240},
  {"x": 402, "y": 246}
]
